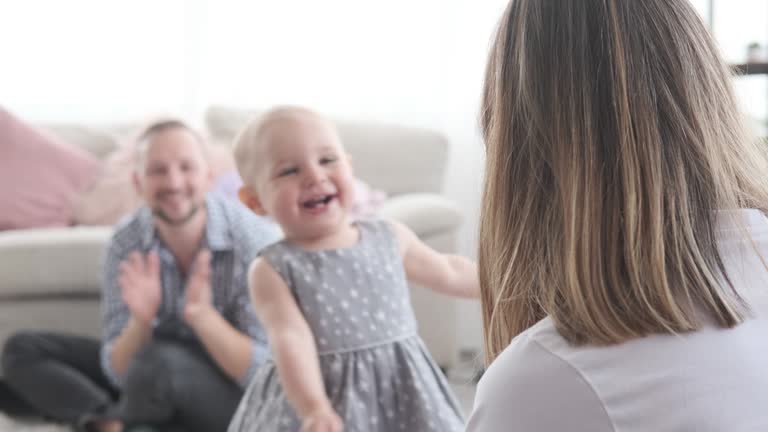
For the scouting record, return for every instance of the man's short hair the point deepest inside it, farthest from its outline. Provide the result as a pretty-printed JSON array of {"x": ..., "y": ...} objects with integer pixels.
[
  {"x": 161, "y": 126},
  {"x": 157, "y": 127}
]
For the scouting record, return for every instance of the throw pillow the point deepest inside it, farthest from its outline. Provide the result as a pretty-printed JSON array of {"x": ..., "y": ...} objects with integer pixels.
[{"x": 39, "y": 176}]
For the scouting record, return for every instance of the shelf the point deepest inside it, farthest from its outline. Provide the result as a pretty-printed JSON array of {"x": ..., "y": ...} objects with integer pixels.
[{"x": 750, "y": 68}]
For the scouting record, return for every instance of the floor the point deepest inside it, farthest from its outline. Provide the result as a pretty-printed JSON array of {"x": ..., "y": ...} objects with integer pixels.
[
  {"x": 466, "y": 395},
  {"x": 8, "y": 425},
  {"x": 464, "y": 391}
]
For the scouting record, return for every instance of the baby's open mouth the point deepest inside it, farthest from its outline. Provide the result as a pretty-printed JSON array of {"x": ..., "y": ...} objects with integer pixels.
[{"x": 319, "y": 201}]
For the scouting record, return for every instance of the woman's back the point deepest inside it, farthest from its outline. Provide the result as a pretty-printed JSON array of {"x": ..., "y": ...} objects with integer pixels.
[
  {"x": 633, "y": 304},
  {"x": 713, "y": 379}
]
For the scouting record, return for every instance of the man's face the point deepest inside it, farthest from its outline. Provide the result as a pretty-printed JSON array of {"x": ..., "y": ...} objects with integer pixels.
[{"x": 173, "y": 175}]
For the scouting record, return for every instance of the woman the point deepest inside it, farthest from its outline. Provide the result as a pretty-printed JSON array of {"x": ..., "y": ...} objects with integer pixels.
[{"x": 623, "y": 240}]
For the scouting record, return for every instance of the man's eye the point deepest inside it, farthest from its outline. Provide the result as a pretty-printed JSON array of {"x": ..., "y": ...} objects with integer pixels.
[
  {"x": 328, "y": 160},
  {"x": 288, "y": 171}
]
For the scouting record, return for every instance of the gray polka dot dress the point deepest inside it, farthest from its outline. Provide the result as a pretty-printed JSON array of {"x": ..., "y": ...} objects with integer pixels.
[{"x": 377, "y": 372}]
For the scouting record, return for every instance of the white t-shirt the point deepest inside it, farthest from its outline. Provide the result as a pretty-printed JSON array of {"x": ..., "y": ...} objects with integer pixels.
[{"x": 710, "y": 380}]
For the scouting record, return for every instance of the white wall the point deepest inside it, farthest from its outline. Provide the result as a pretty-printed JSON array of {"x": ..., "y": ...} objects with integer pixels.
[
  {"x": 92, "y": 60},
  {"x": 737, "y": 23}
]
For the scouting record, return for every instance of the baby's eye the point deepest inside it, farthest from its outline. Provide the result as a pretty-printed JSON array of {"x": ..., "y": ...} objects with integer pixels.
[
  {"x": 328, "y": 159},
  {"x": 288, "y": 171},
  {"x": 188, "y": 167}
]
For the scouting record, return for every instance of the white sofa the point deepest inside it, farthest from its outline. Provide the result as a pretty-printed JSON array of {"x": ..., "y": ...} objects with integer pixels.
[{"x": 49, "y": 278}]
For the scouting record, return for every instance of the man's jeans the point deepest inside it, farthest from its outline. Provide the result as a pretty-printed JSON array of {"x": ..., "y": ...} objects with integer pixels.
[{"x": 168, "y": 383}]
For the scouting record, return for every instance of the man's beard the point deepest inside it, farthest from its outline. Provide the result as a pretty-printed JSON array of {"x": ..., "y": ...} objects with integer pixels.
[{"x": 176, "y": 222}]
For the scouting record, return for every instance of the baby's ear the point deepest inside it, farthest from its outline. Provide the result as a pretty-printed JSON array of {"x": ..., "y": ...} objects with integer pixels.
[{"x": 249, "y": 198}]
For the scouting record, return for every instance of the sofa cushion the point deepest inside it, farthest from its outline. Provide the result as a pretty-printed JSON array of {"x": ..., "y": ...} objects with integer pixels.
[
  {"x": 99, "y": 142},
  {"x": 51, "y": 261},
  {"x": 424, "y": 214},
  {"x": 40, "y": 176}
]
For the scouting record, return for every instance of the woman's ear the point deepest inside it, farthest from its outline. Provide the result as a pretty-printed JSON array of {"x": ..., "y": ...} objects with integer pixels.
[{"x": 249, "y": 198}]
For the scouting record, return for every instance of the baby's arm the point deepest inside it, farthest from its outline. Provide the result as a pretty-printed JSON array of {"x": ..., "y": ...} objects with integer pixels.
[
  {"x": 448, "y": 274},
  {"x": 292, "y": 345}
]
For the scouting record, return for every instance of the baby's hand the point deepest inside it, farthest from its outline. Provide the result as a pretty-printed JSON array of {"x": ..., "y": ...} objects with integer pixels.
[{"x": 322, "y": 419}]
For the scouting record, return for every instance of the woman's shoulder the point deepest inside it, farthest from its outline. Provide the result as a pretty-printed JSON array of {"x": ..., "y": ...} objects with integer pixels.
[
  {"x": 529, "y": 382},
  {"x": 529, "y": 355}
]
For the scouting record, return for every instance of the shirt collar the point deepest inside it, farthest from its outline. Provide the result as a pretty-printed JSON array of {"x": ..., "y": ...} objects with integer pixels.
[{"x": 217, "y": 234}]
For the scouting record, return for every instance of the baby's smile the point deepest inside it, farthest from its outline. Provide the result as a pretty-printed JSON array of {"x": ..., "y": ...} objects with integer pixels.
[{"x": 318, "y": 203}]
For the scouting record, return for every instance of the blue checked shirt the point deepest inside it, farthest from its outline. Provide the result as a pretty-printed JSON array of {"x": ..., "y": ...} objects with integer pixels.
[{"x": 234, "y": 236}]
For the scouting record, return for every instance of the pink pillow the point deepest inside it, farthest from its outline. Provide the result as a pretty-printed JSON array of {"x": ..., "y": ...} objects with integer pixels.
[
  {"x": 39, "y": 176},
  {"x": 367, "y": 200},
  {"x": 112, "y": 195}
]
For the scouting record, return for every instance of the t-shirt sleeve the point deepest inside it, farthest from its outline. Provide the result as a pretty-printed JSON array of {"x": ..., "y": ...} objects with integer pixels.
[{"x": 528, "y": 388}]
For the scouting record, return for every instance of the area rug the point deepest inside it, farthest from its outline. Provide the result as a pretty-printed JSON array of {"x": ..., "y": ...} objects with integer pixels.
[{"x": 9, "y": 425}]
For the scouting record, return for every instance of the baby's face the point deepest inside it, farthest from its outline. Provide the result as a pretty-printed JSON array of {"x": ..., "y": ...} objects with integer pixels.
[{"x": 306, "y": 181}]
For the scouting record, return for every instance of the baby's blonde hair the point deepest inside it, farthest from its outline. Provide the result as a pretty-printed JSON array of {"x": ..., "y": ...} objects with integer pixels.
[{"x": 250, "y": 141}]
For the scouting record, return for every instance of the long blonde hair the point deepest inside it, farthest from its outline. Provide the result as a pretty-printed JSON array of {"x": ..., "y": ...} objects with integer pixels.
[{"x": 612, "y": 133}]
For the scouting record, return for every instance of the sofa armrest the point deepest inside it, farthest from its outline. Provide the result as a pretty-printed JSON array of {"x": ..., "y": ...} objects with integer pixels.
[
  {"x": 425, "y": 213},
  {"x": 435, "y": 220},
  {"x": 51, "y": 261}
]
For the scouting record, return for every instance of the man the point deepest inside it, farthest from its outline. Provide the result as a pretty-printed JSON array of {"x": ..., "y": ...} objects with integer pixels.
[{"x": 180, "y": 336}]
